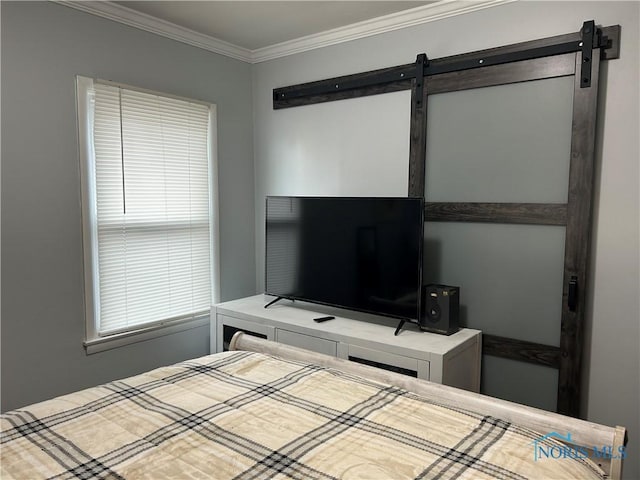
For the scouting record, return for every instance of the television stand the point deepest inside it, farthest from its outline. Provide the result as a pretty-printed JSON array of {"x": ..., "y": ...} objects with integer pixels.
[
  {"x": 398, "y": 328},
  {"x": 451, "y": 360},
  {"x": 274, "y": 301}
]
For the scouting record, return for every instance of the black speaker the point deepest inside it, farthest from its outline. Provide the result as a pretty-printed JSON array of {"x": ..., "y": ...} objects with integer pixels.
[{"x": 440, "y": 309}]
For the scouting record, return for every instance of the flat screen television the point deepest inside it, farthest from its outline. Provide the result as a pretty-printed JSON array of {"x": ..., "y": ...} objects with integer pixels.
[{"x": 358, "y": 253}]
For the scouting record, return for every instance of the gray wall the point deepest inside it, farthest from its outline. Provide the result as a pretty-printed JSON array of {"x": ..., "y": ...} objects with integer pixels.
[
  {"x": 338, "y": 148},
  {"x": 44, "y": 45}
]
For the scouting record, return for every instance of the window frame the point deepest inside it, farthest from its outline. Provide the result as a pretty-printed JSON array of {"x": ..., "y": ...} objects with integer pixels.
[{"x": 95, "y": 342}]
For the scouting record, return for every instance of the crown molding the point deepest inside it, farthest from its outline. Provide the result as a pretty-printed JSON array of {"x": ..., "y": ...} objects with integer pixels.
[
  {"x": 395, "y": 21},
  {"x": 388, "y": 23},
  {"x": 133, "y": 18}
]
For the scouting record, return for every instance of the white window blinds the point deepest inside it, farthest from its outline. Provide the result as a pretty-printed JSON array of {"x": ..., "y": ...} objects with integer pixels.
[{"x": 152, "y": 231}]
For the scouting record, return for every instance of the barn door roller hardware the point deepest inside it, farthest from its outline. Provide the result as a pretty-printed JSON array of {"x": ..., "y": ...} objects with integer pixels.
[
  {"x": 421, "y": 62},
  {"x": 590, "y": 36},
  {"x": 400, "y": 77}
]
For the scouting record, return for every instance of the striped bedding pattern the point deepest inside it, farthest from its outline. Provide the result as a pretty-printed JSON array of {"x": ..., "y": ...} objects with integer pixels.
[{"x": 247, "y": 415}]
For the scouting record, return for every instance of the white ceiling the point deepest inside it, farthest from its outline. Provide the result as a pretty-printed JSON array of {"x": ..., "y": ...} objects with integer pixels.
[
  {"x": 258, "y": 24},
  {"x": 257, "y": 31}
]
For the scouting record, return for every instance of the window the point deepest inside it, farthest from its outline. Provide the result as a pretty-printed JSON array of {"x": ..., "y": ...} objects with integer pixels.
[{"x": 149, "y": 212}]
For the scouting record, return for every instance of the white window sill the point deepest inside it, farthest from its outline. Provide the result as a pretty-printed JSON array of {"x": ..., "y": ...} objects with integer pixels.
[{"x": 100, "y": 344}]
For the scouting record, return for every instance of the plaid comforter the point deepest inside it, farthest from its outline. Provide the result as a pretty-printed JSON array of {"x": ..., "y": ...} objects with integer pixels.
[{"x": 251, "y": 416}]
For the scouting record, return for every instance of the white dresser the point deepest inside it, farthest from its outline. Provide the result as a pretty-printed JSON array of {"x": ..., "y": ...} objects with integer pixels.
[{"x": 451, "y": 360}]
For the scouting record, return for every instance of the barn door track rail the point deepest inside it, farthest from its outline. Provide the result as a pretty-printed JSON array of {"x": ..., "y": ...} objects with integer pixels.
[{"x": 589, "y": 38}]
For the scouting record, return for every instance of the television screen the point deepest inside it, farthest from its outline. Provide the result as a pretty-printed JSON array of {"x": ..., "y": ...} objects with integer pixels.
[{"x": 357, "y": 253}]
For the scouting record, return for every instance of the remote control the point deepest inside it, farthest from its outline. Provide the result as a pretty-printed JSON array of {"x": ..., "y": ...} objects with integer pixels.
[{"x": 323, "y": 319}]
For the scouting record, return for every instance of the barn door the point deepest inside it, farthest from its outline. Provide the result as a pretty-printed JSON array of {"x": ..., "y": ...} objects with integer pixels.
[
  {"x": 502, "y": 149},
  {"x": 504, "y": 155}
]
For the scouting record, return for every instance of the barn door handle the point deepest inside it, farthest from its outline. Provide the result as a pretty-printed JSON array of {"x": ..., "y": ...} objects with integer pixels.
[{"x": 572, "y": 301}]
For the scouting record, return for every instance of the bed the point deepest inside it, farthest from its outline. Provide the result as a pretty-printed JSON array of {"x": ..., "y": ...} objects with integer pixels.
[{"x": 266, "y": 410}]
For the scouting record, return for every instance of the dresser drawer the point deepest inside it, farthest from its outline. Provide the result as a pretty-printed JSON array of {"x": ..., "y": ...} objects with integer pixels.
[{"x": 308, "y": 342}]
